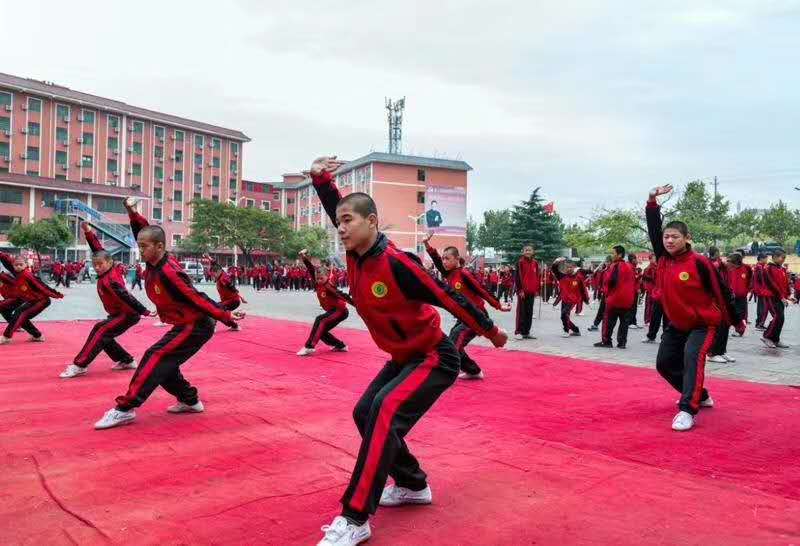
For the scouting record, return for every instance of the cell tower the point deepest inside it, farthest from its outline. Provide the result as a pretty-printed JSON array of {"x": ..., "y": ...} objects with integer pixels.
[{"x": 395, "y": 115}]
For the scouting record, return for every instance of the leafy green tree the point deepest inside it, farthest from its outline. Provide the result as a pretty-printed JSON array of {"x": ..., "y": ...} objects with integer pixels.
[
  {"x": 49, "y": 233},
  {"x": 472, "y": 234},
  {"x": 705, "y": 214},
  {"x": 495, "y": 228},
  {"x": 314, "y": 239},
  {"x": 780, "y": 223}
]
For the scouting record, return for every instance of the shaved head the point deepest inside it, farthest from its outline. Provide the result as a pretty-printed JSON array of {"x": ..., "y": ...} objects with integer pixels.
[
  {"x": 361, "y": 203},
  {"x": 153, "y": 233}
]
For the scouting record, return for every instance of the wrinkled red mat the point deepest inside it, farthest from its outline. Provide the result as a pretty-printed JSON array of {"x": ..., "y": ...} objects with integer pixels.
[{"x": 545, "y": 451}]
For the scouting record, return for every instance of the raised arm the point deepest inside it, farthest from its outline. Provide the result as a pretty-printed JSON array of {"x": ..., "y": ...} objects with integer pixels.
[
  {"x": 91, "y": 238},
  {"x": 137, "y": 220},
  {"x": 179, "y": 282},
  {"x": 322, "y": 170},
  {"x": 478, "y": 288},
  {"x": 434, "y": 254},
  {"x": 655, "y": 220},
  {"x": 309, "y": 266}
]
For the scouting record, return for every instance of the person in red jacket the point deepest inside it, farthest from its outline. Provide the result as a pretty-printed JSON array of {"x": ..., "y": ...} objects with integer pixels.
[
  {"x": 619, "y": 286},
  {"x": 11, "y": 299},
  {"x": 35, "y": 296},
  {"x": 796, "y": 287},
  {"x": 333, "y": 302},
  {"x": 759, "y": 291},
  {"x": 598, "y": 279},
  {"x": 696, "y": 303},
  {"x": 138, "y": 275},
  {"x": 394, "y": 295},
  {"x": 123, "y": 313},
  {"x": 191, "y": 314},
  {"x": 527, "y": 284},
  {"x": 776, "y": 279},
  {"x": 654, "y": 311},
  {"x": 570, "y": 291},
  {"x": 450, "y": 266},
  {"x": 740, "y": 279},
  {"x": 229, "y": 296}
]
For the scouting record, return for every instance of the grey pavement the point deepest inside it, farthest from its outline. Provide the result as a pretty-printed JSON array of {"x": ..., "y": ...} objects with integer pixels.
[{"x": 754, "y": 362}]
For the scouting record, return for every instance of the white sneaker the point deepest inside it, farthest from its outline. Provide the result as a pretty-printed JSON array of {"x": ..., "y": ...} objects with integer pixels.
[
  {"x": 5, "y": 340},
  {"x": 719, "y": 359},
  {"x": 115, "y": 418},
  {"x": 343, "y": 533},
  {"x": 72, "y": 371},
  {"x": 159, "y": 324},
  {"x": 180, "y": 407},
  {"x": 395, "y": 496},
  {"x": 465, "y": 375},
  {"x": 768, "y": 342},
  {"x": 39, "y": 339},
  {"x": 518, "y": 337},
  {"x": 305, "y": 351},
  {"x": 124, "y": 366},
  {"x": 340, "y": 349},
  {"x": 780, "y": 345},
  {"x": 729, "y": 358},
  {"x": 648, "y": 340},
  {"x": 683, "y": 421},
  {"x": 565, "y": 334}
]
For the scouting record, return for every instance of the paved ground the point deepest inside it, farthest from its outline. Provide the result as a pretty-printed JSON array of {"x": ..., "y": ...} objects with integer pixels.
[{"x": 754, "y": 361}]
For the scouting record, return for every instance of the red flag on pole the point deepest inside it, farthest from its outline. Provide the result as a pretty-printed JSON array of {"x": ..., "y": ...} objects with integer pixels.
[{"x": 550, "y": 208}]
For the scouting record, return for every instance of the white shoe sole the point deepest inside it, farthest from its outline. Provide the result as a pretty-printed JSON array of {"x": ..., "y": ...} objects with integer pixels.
[
  {"x": 120, "y": 424},
  {"x": 72, "y": 376}
]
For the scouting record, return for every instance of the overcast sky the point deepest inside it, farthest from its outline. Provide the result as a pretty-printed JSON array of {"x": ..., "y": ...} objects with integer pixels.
[{"x": 593, "y": 101}]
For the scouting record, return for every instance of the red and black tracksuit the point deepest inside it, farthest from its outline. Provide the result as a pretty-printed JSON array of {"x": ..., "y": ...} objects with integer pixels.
[
  {"x": 192, "y": 315},
  {"x": 620, "y": 295},
  {"x": 34, "y": 297},
  {"x": 696, "y": 302},
  {"x": 761, "y": 293},
  {"x": 598, "y": 280},
  {"x": 334, "y": 302},
  {"x": 527, "y": 282},
  {"x": 571, "y": 291},
  {"x": 229, "y": 296},
  {"x": 11, "y": 302},
  {"x": 123, "y": 311},
  {"x": 740, "y": 279},
  {"x": 464, "y": 283},
  {"x": 395, "y": 295},
  {"x": 654, "y": 315},
  {"x": 776, "y": 279},
  {"x": 137, "y": 277}
]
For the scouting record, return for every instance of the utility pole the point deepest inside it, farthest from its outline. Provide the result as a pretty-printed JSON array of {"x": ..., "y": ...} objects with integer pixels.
[{"x": 716, "y": 186}]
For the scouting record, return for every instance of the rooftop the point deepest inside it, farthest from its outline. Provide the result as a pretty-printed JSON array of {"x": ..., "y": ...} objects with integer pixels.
[
  {"x": 411, "y": 160},
  {"x": 24, "y": 180}
]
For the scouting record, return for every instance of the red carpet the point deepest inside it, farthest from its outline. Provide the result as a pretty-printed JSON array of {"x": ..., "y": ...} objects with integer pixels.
[{"x": 545, "y": 451}]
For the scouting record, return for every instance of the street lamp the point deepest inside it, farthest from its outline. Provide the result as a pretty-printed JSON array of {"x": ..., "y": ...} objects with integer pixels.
[{"x": 416, "y": 231}]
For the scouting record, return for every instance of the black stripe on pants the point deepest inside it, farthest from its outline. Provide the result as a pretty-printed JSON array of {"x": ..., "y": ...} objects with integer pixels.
[
  {"x": 777, "y": 309},
  {"x": 161, "y": 363},
  {"x": 7, "y": 308},
  {"x": 461, "y": 335},
  {"x": 524, "y": 315},
  {"x": 681, "y": 361},
  {"x": 24, "y": 314},
  {"x": 656, "y": 319},
  {"x": 566, "y": 322},
  {"x": 396, "y": 399},
  {"x": 323, "y": 324},
  {"x": 613, "y": 315},
  {"x": 103, "y": 338}
]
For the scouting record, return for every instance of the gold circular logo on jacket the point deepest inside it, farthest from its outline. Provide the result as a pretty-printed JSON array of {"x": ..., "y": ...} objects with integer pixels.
[
  {"x": 157, "y": 289},
  {"x": 744, "y": 275},
  {"x": 322, "y": 294},
  {"x": 23, "y": 288},
  {"x": 684, "y": 276},
  {"x": 458, "y": 286},
  {"x": 379, "y": 289},
  {"x": 574, "y": 283}
]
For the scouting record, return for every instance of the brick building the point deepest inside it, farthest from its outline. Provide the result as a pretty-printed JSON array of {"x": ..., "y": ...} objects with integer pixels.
[{"x": 57, "y": 144}]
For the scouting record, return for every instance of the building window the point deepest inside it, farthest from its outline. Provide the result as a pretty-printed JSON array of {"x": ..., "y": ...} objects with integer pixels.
[
  {"x": 136, "y": 169},
  {"x": 87, "y": 161},
  {"x": 159, "y": 173},
  {"x": 178, "y": 156},
  {"x": 290, "y": 201},
  {"x": 112, "y": 166},
  {"x": 421, "y": 175},
  {"x": 137, "y": 148},
  {"x": 179, "y": 136},
  {"x": 178, "y": 196},
  {"x": 249, "y": 203},
  {"x": 86, "y": 179},
  {"x": 5, "y": 99},
  {"x": 158, "y": 152},
  {"x": 276, "y": 195},
  {"x": 215, "y": 162},
  {"x": 158, "y": 193},
  {"x": 113, "y": 122},
  {"x": 33, "y": 153},
  {"x": 197, "y": 196},
  {"x": 420, "y": 197},
  {"x": 8, "y": 222},
  {"x": 156, "y": 213},
  {"x": 12, "y": 196},
  {"x": 198, "y": 141},
  {"x": 61, "y": 157},
  {"x": 32, "y": 173},
  {"x": 61, "y": 177},
  {"x": 215, "y": 198},
  {"x": 159, "y": 132},
  {"x": 234, "y": 148},
  {"x": 34, "y": 128},
  {"x": 232, "y": 183},
  {"x": 198, "y": 160},
  {"x": 215, "y": 181},
  {"x": 249, "y": 186},
  {"x": 233, "y": 166},
  {"x": 216, "y": 143},
  {"x": 198, "y": 179},
  {"x": 178, "y": 176},
  {"x": 34, "y": 105},
  {"x": 88, "y": 139},
  {"x": 5, "y": 124},
  {"x": 88, "y": 117},
  {"x": 4, "y": 150},
  {"x": 62, "y": 135},
  {"x": 138, "y": 127},
  {"x": 265, "y": 205},
  {"x": 113, "y": 143},
  {"x": 62, "y": 111},
  {"x": 107, "y": 204},
  {"x": 177, "y": 215},
  {"x": 176, "y": 239}
]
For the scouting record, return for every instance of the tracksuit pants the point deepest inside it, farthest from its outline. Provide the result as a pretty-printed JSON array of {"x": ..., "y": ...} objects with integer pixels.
[
  {"x": 612, "y": 315},
  {"x": 23, "y": 315},
  {"x": 566, "y": 321},
  {"x": 461, "y": 335},
  {"x": 503, "y": 293},
  {"x": 323, "y": 324},
  {"x": 740, "y": 304},
  {"x": 7, "y": 308},
  {"x": 720, "y": 346},
  {"x": 632, "y": 312},
  {"x": 776, "y": 309},
  {"x": 524, "y": 315},
  {"x": 231, "y": 304},
  {"x": 397, "y": 398},
  {"x": 657, "y": 319},
  {"x": 601, "y": 311},
  {"x": 137, "y": 281},
  {"x": 681, "y": 361},
  {"x": 161, "y": 363},
  {"x": 103, "y": 338},
  {"x": 762, "y": 306}
]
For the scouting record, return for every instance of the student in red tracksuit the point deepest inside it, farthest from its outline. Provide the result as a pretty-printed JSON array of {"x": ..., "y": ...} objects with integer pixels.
[
  {"x": 527, "y": 283},
  {"x": 333, "y": 301},
  {"x": 229, "y": 296},
  {"x": 759, "y": 291},
  {"x": 696, "y": 302},
  {"x": 192, "y": 315},
  {"x": 394, "y": 295},
  {"x": 598, "y": 279},
  {"x": 776, "y": 279},
  {"x": 740, "y": 279},
  {"x": 123, "y": 313},
  {"x": 137, "y": 276},
  {"x": 464, "y": 283},
  {"x": 570, "y": 291},
  {"x": 34, "y": 294},
  {"x": 11, "y": 300},
  {"x": 796, "y": 288},
  {"x": 619, "y": 285},
  {"x": 654, "y": 311}
]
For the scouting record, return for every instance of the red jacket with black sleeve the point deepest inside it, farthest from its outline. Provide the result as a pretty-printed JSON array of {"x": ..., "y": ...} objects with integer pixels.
[
  {"x": 330, "y": 298},
  {"x": 170, "y": 289},
  {"x": 228, "y": 293},
  {"x": 527, "y": 276},
  {"x": 571, "y": 288},
  {"x": 7, "y": 290},
  {"x": 111, "y": 289},
  {"x": 30, "y": 288},
  {"x": 394, "y": 294},
  {"x": 776, "y": 279},
  {"x": 739, "y": 280},
  {"x": 620, "y": 285},
  {"x": 463, "y": 282},
  {"x": 691, "y": 289}
]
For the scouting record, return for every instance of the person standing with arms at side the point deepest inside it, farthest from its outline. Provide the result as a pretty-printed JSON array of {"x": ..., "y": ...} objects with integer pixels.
[
  {"x": 570, "y": 291},
  {"x": 599, "y": 281},
  {"x": 760, "y": 291},
  {"x": 740, "y": 279},
  {"x": 527, "y": 284},
  {"x": 657, "y": 318},
  {"x": 776, "y": 279},
  {"x": 620, "y": 289}
]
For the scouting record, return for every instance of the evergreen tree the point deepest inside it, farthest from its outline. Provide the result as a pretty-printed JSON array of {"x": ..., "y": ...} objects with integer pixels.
[{"x": 530, "y": 224}]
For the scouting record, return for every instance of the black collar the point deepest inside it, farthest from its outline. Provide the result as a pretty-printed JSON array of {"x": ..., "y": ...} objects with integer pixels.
[
  {"x": 376, "y": 249},
  {"x": 160, "y": 263}
]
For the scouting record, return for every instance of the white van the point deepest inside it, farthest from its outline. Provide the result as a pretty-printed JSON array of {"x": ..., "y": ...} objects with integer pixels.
[{"x": 194, "y": 270}]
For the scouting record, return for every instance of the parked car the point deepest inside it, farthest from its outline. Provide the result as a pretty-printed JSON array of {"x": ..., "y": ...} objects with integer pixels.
[{"x": 193, "y": 269}]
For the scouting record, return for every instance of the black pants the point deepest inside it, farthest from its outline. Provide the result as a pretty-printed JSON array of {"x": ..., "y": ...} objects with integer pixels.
[
  {"x": 59, "y": 280},
  {"x": 524, "y": 315},
  {"x": 740, "y": 304},
  {"x": 720, "y": 346},
  {"x": 232, "y": 304},
  {"x": 323, "y": 324},
  {"x": 397, "y": 398},
  {"x": 761, "y": 310},
  {"x": 103, "y": 338},
  {"x": 137, "y": 281},
  {"x": 601, "y": 311},
  {"x": 681, "y": 361},
  {"x": 657, "y": 317},
  {"x": 23, "y": 315},
  {"x": 612, "y": 315},
  {"x": 632, "y": 312},
  {"x": 504, "y": 292},
  {"x": 7, "y": 308},
  {"x": 161, "y": 363},
  {"x": 776, "y": 308},
  {"x": 461, "y": 335},
  {"x": 566, "y": 322}
]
